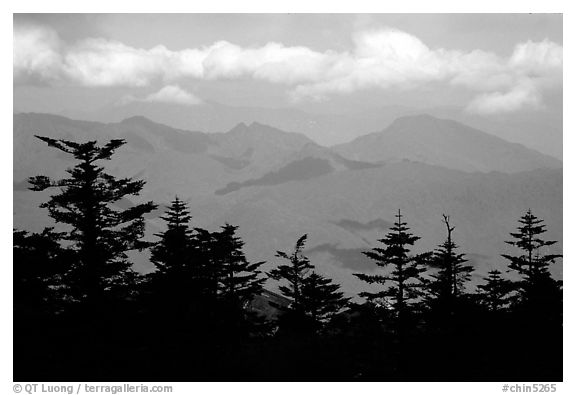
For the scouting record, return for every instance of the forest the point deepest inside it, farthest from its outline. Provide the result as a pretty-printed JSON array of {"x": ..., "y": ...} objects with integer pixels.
[{"x": 207, "y": 313}]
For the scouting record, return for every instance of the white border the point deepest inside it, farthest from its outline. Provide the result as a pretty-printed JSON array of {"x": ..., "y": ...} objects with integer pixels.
[{"x": 244, "y": 6}]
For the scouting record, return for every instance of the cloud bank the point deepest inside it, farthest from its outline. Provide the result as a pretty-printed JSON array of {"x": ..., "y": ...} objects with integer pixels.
[
  {"x": 381, "y": 59},
  {"x": 172, "y": 94}
]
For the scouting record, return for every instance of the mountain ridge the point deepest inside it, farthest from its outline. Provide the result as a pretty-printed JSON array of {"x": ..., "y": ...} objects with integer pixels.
[{"x": 444, "y": 142}]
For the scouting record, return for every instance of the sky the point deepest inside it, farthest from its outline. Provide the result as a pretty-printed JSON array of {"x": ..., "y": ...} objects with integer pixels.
[{"x": 489, "y": 65}]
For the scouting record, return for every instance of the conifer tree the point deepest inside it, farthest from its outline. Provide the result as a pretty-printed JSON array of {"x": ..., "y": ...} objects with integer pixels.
[
  {"x": 41, "y": 266},
  {"x": 496, "y": 293},
  {"x": 448, "y": 283},
  {"x": 537, "y": 305},
  {"x": 530, "y": 263},
  {"x": 174, "y": 282},
  {"x": 294, "y": 274},
  {"x": 100, "y": 233},
  {"x": 209, "y": 271},
  {"x": 537, "y": 288},
  {"x": 403, "y": 283},
  {"x": 315, "y": 298},
  {"x": 239, "y": 280},
  {"x": 172, "y": 252},
  {"x": 238, "y": 283},
  {"x": 322, "y": 298}
]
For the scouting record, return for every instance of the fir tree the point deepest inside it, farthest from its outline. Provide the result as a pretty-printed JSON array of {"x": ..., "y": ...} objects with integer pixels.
[
  {"x": 448, "y": 283},
  {"x": 172, "y": 252},
  {"x": 294, "y": 274},
  {"x": 322, "y": 298},
  {"x": 530, "y": 264},
  {"x": 496, "y": 293},
  {"x": 537, "y": 288},
  {"x": 239, "y": 280},
  {"x": 101, "y": 234},
  {"x": 537, "y": 305},
  {"x": 236, "y": 282},
  {"x": 209, "y": 271},
  {"x": 173, "y": 283},
  {"x": 315, "y": 298},
  {"x": 403, "y": 283},
  {"x": 41, "y": 266}
]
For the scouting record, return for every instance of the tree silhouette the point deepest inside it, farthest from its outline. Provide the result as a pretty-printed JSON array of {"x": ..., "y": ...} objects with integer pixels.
[
  {"x": 41, "y": 266},
  {"x": 538, "y": 291},
  {"x": 447, "y": 285},
  {"x": 403, "y": 283},
  {"x": 495, "y": 294},
  {"x": 239, "y": 279},
  {"x": 238, "y": 283},
  {"x": 293, "y": 274},
  {"x": 530, "y": 263},
  {"x": 171, "y": 253},
  {"x": 174, "y": 283},
  {"x": 100, "y": 233},
  {"x": 322, "y": 298},
  {"x": 314, "y": 298}
]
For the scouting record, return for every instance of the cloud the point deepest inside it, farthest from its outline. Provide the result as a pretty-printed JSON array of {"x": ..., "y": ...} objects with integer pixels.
[
  {"x": 36, "y": 54},
  {"x": 171, "y": 94},
  {"x": 382, "y": 59},
  {"x": 522, "y": 96}
]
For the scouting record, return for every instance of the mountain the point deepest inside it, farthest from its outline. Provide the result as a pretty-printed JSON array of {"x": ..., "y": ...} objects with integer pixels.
[
  {"x": 310, "y": 161},
  {"x": 325, "y": 129},
  {"x": 447, "y": 143},
  {"x": 338, "y": 126},
  {"x": 344, "y": 213},
  {"x": 277, "y": 186},
  {"x": 188, "y": 162},
  {"x": 259, "y": 147}
]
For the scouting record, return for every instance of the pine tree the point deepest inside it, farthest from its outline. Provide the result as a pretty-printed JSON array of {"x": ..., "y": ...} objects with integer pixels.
[
  {"x": 41, "y": 266},
  {"x": 322, "y": 298},
  {"x": 448, "y": 283},
  {"x": 530, "y": 264},
  {"x": 537, "y": 304},
  {"x": 315, "y": 298},
  {"x": 209, "y": 270},
  {"x": 171, "y": 254},
  {"x": 239, "y": 280},
  {"x": 101, "y": 234},
  {"x": 294, "y": 274},
  {"x": 403, "y": 283},
  {"x": 537, "y": 288},
  {"x": 173, "y": 284},
  {"x": 496, "y": 293},
  {"x": 234, "y": 283}
]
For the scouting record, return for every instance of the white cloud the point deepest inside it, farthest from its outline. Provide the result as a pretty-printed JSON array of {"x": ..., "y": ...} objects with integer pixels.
[
  {"x": 522, "y": 96},
  {"x": 172, "y": 94},
  {"x": 36, "y": 53},
  {"x": 384, "y": 59}
]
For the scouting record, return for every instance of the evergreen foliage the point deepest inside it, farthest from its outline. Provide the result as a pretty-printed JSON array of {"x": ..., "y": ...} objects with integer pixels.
[
  {"x": 402, "y": 281},
  {"x": 100, "y": 233},
  {"x": 496, "y": 293}
]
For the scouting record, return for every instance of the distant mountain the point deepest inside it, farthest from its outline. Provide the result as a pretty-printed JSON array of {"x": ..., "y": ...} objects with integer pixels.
[
  {"x": 325, "y": 129},
  {"x": 310, "y": 161},
  {"x": 443, "y": 142},
  {"x": 540, "y": 130},
  {"x": 277, "y": 185},
  {"x": 181, "y": 158},
  {"x": 345, "y": 212},
  {"x": 337, "y": 127},
  {"x": 259, "y": 147}
]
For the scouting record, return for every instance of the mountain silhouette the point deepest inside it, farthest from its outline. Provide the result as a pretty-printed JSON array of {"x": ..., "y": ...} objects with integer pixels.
[{"x": 447, "y": 143}]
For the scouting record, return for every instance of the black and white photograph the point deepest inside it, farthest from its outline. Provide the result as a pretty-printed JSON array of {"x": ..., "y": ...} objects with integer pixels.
[{"x": 287, "y": 197}]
